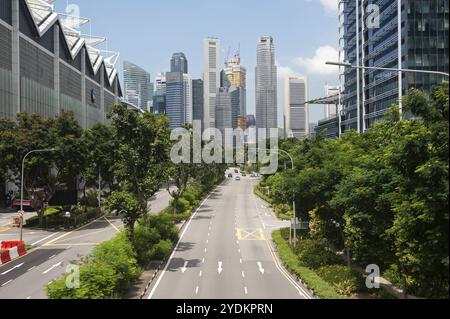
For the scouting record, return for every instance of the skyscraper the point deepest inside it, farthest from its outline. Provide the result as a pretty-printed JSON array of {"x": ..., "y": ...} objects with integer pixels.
[
  {"x": 179, "y": 63},
  {"x": 414, "y": 36},
  {"x": 223, "y": 110},
  {"x": 159, "y": 97},
  {"x": 296, "y": 112},
  {"x": 197, "y": 100},
  {"x": 266, "y": 85},
  {"x": 234, "y": 76},
  {"x": 211, "y": 79},
  {"x": 137, "y": 85},
  {"x": 175, "y": 109},
  {"x": 188, "y": 102}
]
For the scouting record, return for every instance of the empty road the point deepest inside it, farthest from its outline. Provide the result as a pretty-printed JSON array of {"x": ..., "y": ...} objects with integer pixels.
[
  {"x": 225, "y": 252},
  {"x": 28, "y": 276}
]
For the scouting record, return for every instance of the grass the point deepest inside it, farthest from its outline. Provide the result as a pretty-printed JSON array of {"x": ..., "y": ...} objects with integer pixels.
[{"x": 320, "y": 287}]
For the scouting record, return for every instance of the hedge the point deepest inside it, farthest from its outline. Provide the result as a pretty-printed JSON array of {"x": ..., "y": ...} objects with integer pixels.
[
  {"x": 262, "y": 196},
  {"x": 320, "y": 287}
]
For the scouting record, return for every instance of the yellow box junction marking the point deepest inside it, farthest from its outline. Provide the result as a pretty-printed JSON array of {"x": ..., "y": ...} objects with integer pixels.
[{"x": 250, "y": 234}]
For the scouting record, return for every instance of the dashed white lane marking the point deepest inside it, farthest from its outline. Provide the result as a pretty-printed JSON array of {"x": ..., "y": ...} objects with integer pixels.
[
  {"x": 243, "y": 274},
  {"x": 246, "y": 291},
  {"x": 39, "y": 241},
  {"x": 200, "y": 274},
  {"x": 31, "y": 268},
  {"x": 206, "y": 250},
  {"x": 203, "y": 260},
  {"x": 207, "y": 241},
  {"x": 51, "y": 268},
  {"x": 51, "y": 257},
  {"x": 240, "y": 261},
  {"x": 29, "y": 297},
  {"x": 196, "y": 290},
  {"x": 13, "y": 268},
  {"x": 6, "y": 283}
]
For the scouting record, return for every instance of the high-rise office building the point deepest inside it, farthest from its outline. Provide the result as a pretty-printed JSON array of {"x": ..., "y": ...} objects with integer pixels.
[
  {"x": 188, "y": 99},
  {"x": 159, "y": 97},
  {"x": 175, "y": 102},
  {"x": 197, "y": 100},
  {"x": 296, "y": 111},
  {"x": 412, "y": 36},
  {"x": 179, "y": 63},
  {"x": 223, "y": 110},
  {"x": 211, "y": 79},
  {"x": 234, "y": 76},
  {"x": 137, "y": 84},
  {"x": 266, "y": 85}
]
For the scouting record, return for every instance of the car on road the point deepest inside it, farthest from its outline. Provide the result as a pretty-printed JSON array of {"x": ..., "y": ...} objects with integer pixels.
[
  {"x": 244, "y": 174},
  {"x": 238, "y": 178},
  {"x": 230, "y": 175}
]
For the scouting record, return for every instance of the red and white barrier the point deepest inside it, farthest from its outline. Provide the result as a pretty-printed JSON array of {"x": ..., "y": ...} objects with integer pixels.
[{"x": 11, "y": 251}]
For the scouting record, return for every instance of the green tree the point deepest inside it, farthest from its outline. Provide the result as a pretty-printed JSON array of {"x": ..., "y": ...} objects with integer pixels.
[{"x": 142, "y": 144}]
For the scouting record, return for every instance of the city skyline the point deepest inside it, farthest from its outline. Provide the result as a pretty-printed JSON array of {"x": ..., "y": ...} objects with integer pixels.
[{"x": 294, "y": 50}]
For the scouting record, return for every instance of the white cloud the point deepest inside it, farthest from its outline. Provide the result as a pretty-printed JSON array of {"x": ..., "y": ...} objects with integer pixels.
[
  {"x": 330, "y": 5},
  {"x": 316, "y": 65},
  {"x": 284, "y": 71}
]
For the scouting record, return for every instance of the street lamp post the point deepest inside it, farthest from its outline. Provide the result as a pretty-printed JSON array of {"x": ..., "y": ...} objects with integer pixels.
[
  {"x": 21, "y": 185},
  {"x": 399, "y": 70},
  {"x": 293, "y": 202}
]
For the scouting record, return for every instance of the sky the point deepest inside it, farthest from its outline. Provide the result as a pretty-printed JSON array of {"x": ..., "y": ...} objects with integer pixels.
[{"x": 148, "y": 32}]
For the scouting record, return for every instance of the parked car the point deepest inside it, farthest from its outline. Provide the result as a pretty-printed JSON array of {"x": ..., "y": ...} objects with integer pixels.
[
  {"x": 230, "y": 175},
  {"x": 243, "y": 174},
  {"x": 237, "y": 178}
]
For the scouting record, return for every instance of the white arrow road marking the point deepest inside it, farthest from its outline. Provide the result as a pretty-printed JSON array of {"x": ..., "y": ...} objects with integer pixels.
[
  {"x": 15, "y": 267},
  {"x": 52, "y": 267},
  {"x": 261, "y": 269},
  {"x": 220, "y": 269},
  {"x": 183, "y": 270}
]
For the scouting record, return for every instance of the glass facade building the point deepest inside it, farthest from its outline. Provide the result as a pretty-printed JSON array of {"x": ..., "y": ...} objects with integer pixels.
[
  {"x": 179, "y": 63},
  {"x": 47, "y": 67},
  {"x": 266, "y": 85},
  {"x": 175, "y": 109},
  {"x": 197, "y": 99},
  {"x": 138, "y": 88},
  {"x": 413, "y": 35}
]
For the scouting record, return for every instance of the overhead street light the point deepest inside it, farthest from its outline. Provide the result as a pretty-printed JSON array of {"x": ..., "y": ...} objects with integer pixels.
[
  {"x": 349, "y": 65},
  {"x": 21, "y": 184}
]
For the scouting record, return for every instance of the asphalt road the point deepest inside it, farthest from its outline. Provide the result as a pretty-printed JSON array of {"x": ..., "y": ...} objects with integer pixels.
[
  {"x": 27, "y": 277},
  {"x": 225, "y": 252}
]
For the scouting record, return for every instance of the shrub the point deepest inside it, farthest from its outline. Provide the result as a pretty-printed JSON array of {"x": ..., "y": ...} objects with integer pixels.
[
  {"x": 314, "y": 254},
  {"x": 344, "y": 279},
  {"x": 120, "y": 255},
  {"x": 145, "y": 238},
  {"x": 283, "y": 211},
  {"x": 161, "y": 250},
  {"x": 90, "y": 199},
  {"x": 97, "y": 281},
  {"x": 321, "y": 288},
  {"x": 164, "y": 224}
]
